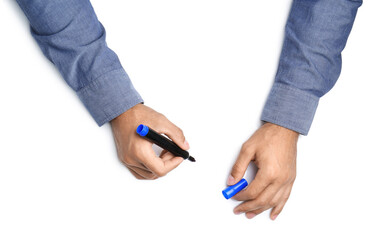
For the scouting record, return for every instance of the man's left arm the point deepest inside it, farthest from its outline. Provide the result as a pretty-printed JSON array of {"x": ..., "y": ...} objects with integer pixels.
[
  {"x": 310, "y": 64},
  {"x": 71, "y": 37}
]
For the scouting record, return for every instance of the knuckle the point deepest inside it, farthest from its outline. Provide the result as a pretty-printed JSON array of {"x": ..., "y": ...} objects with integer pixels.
[
  {"x": 273, "y": 173},
  {"x": 261, "y": 202},
  {"x": 162, "y": 120},
  {"x": 181, "y": 134},
  {"x": 245, "y": 148},
  {"x": 180, "y": 131},
  {"x": 283, "y": 178},
  {"x": 252, "y": 194},
  {"x": 273, "y": 203},
  {"x": 127, "y": 161},
  {"x": 235, "y": 169}
]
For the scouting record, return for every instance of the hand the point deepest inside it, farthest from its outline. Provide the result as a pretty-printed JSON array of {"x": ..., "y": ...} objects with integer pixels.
[
  {"x": 137, "y": 153},
  {"x": 273, "y": 149}
]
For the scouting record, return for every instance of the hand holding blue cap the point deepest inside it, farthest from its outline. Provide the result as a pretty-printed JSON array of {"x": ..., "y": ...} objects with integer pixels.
[{"x": 234, "y": 189}]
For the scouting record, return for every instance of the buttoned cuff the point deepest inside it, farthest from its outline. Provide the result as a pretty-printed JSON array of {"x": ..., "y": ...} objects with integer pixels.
[
  {"x": 109, "y": 96},
  {"x": 290, "y": 107}
]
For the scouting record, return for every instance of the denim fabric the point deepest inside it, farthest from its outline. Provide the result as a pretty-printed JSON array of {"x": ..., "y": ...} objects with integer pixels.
[
  {"x": 310, "y": 62},
  {"x": 70, "y": 35}
]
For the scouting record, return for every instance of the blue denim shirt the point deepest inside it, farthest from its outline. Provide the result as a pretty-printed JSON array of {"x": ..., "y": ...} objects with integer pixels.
[
  {"x": 71, "y": 36},
  {"x": 310, "y": 61}
]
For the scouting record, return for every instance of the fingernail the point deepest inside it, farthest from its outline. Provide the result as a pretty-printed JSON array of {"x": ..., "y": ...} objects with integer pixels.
[
  {"x": 187, "y": 144},
  {"x": 230, "y": 180},
  {"x": 250, "y": 215},
  {"x": 274, "y": 217}
]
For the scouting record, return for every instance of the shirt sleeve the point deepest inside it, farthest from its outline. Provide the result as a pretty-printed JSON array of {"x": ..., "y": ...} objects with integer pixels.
[
  {"x": 70, "y": 36},
  {"x": 310, "y": 63}
]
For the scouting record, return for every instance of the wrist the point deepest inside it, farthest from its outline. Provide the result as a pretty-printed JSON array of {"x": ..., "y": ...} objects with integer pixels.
[
  {"x": 285, "y": 132},
  {"x": 129, "y": 113}
]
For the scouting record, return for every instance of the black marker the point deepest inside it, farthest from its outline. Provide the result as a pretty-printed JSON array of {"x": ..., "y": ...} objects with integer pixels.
[{"x": 163, "y": 142}]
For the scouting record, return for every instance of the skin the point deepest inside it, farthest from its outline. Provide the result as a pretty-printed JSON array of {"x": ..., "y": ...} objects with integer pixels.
[
  {"x": 137, "y": 153},
  {"x": 273, "y": 149}
]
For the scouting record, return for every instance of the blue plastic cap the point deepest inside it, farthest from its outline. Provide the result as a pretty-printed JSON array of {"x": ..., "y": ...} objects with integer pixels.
[
  {"x": 234, "y": 189},
  {"x": 142, "y": 130}
]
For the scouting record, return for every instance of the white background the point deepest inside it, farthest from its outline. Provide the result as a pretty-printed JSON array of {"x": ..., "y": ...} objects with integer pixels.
[{"x": 208, "y": 65}]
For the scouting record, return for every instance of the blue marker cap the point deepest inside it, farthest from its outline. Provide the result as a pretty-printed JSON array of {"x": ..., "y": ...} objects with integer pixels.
[
  {"x": 234, "y": 189},
  {"x": 142, "y": 130}
]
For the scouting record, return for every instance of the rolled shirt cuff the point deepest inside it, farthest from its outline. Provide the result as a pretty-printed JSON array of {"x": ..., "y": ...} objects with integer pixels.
[
  {"x": 109, "y": 96},
  {"x": 290, "y": 107}
]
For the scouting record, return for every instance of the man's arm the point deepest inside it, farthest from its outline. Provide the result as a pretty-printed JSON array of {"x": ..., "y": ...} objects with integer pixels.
[
  {"x": 310, "y": 64},
  {"x": 70, "y": 35}
]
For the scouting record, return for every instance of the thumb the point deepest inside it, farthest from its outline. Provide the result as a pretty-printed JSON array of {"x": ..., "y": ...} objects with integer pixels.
[
  {"x": 175, "y": 134},
  {"x": 240, "y": 166}
]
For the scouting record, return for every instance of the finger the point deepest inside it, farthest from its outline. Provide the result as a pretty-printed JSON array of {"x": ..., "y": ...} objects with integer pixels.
[
  {"x": 164, "y": 151},
  {"x": 136, "y": 164},
  {"x": 170, "y": 163},
  {"x": 278, "y": 196},
  {"x": 136, "y": 175},
  {"x": 263, "y": 201},
  {"x": 160, "y": 167},
  {"x": 174, "y": 133},
  {"x": 255, "y": 188},
  {"x": 254, "y": 213},
  {"x": 238, "y": 170},
  {"x": 145, "y": 174},
  {"x": 277, "y": 210},
  {"x": 167, "y": 156}
]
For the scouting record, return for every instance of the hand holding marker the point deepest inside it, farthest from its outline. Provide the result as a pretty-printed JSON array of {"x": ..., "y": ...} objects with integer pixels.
[{"x": 163, "y": 142}]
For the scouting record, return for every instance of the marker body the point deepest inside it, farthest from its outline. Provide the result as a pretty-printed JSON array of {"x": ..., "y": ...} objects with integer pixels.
[
  {"x": 234, "y": 189},
  {"x": 163, "y": 142}
]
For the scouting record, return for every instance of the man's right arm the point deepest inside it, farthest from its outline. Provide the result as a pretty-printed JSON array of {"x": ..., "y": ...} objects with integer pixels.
[{"x": 70, "y": 36}]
